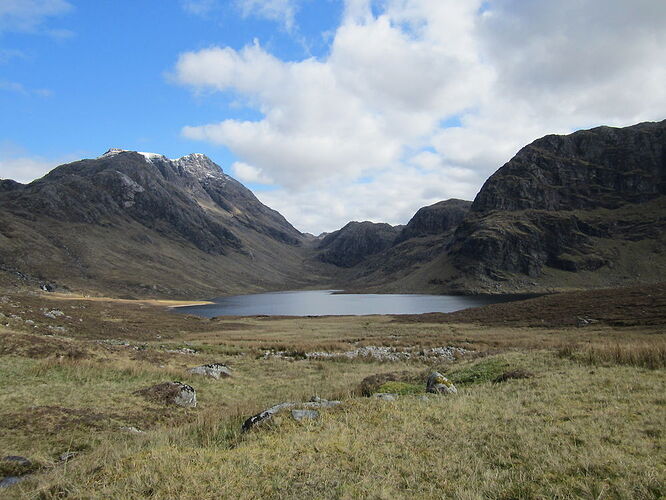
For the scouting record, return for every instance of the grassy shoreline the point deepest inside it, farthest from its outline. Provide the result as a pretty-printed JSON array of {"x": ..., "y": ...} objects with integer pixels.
[{"x": 588, "y": 423}]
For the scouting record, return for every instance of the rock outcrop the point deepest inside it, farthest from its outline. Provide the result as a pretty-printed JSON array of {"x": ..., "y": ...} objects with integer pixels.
[
  {"x": 171, "y": 393},
  {"x": 214, "y": 370},
  {"x": 435, "y": 219},
  {"x": 348, "y": 246},
  {"x": 564, "y": 202},
  {"x": 439, "y": 384}
]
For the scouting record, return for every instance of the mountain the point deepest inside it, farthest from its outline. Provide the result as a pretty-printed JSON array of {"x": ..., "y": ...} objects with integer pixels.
[
  {"x": 350, "y": 245},
  {"x": 405, "y": 250},
  {"x": 583, "y": 209},
  {"x": 434, "y": 219},
  {"x": 139, "y": 223}
]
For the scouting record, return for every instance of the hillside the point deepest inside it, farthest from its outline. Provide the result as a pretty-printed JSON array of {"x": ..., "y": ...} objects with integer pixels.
[
  {"x": 141, "y": 224},
  {"x": 576, "y": 211}
]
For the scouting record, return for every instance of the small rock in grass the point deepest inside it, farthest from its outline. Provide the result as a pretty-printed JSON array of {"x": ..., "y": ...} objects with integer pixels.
[
  {"x": 11, "y": 481},
  {"x": 132, "y": 430},
  {"x": 171, "y": 393},
  {"x": 215, "y": 370},
  {"x": 265, "y": 415},
  {"x": 385, "y": 396},
  {"x": 317, "y": 402},
  {"x": 67, "y": 456},
  {"x": 439, "y": 384},
  {"x": 300, "y": 415},
  {"x": 22, "y": 461}
]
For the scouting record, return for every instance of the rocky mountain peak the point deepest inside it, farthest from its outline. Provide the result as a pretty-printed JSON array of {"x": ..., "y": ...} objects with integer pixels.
[{"x": 199, "y": 166}]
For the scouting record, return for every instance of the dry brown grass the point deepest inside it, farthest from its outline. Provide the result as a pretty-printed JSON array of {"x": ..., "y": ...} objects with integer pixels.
[{"x": 643, "y": 354}]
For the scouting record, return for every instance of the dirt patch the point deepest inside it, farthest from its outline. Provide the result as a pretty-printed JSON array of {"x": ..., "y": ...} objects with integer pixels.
[
  {"x": 36, "y": 346},
  {"x": 643, "y": 305},
  {"x": 513, "y": 374}
]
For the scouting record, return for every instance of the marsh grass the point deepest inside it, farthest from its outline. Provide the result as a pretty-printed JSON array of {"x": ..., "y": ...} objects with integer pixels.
[
  {"x": 568, "y": 432},
  {"x": 564, "y": 434},
  {"x": 644, "y": 355}
]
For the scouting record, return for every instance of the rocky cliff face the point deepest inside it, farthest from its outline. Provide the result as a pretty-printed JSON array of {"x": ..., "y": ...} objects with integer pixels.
[
  {"x": 354, "y": 242},
  {"x": 599, "y": 168},
  {"x": 435, "y": 219},
  {"x": 564, "y": 202}
]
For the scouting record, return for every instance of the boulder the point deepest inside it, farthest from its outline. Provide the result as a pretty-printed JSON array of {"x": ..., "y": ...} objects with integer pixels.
[
  {"x": 439, "y": 384},
  {"x": 11, "y": 481},
  {"x": 171, "y": 393},
  {"x": 300, "y": 415},
  {"x": 305, "y": 411},
  {"x": 265, "y": 415},
  {"x": 214, "y": 370}
]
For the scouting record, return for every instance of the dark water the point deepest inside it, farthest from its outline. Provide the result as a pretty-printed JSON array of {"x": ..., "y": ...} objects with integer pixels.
[{"x": 325, "y": 302}]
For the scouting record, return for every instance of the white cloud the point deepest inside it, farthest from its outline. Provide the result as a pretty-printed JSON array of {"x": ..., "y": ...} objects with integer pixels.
[
  {"x": 282, "y": 11},
  {"x": 28, "y": 15},
  {"x": 248, "y": 173},
  {"x": 374, "y": 107},
  {"x": 17, "y": 164}
]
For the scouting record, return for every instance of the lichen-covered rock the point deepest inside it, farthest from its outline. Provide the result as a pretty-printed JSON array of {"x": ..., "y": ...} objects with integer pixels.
[
  {"x": 439, "y": 384},
  {"x": 265, "y": 415},
  {"x": 175, "y": 393},
  {"x": 300, "y": 415},
  {"x": 300, "y": 411},
  {"x": 214, "y": 370}
]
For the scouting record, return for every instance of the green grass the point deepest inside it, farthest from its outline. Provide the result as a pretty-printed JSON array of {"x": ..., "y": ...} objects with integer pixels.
[{"x": 476, "y": 372}]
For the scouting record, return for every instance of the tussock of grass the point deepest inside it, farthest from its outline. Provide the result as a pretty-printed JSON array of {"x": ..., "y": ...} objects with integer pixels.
[
  {"x": 485, "y": 370},
  {"x": 643, "y": 355},
  {"x": 401, "y": 388}
]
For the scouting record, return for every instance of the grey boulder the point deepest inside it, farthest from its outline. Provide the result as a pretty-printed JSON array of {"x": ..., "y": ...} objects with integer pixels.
[
  {"x": 439, "y": 384},
  {"x": 171, "y": 393},
  {"x": 214, "y": 370}
]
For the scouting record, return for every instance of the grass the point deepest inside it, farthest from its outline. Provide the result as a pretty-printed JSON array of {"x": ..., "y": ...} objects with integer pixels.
[
  {"x": 588, "y": 423},
  {"x": 644, "y": 355}
]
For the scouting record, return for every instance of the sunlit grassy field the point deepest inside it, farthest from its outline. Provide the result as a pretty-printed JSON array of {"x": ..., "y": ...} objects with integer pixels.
[{"x": 585, "y": 421}]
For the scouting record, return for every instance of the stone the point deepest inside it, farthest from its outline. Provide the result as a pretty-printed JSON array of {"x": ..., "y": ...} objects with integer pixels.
[
  {"x": 265, "y": 415},
  {"x": 53, "y": 313},
  {"x": 67, "y": 456},
  {"x": 321, "y": 403},
  {"x": 22, "y": 461},
  {"x": 439, "y": 384},
  {"x": 300, "y": 415},
  {"x": 214, "y": 370},
  {"x": 385, "y": 396},
  {"x": 132, "y": 430},
  {"x": 11, "y": 481},
  {"x": 175, "y": 393}
]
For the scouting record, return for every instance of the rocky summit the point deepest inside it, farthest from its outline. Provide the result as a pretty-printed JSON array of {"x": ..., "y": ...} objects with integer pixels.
[{"x": 140, "y": 223}]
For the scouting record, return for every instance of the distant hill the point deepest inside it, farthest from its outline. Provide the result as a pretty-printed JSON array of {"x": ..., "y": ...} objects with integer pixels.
[
  {"x": 348, "y": 246},
  {"x": 139, "y": 223}
]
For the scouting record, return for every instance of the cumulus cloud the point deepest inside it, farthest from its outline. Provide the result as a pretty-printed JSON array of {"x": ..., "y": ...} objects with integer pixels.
[
  {"x": 28, "y": 15},
  {"x": 17, "y": 164},
  {"x": 420, "y": 100}
]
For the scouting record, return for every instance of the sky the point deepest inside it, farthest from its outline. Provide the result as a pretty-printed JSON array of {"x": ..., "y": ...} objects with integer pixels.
[{"x": 329, "y": 110}]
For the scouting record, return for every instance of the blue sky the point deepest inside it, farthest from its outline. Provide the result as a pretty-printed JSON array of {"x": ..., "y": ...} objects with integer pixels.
[
  {"x": 330, "y": 110},
  {"x": 97, "y": 74}
]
